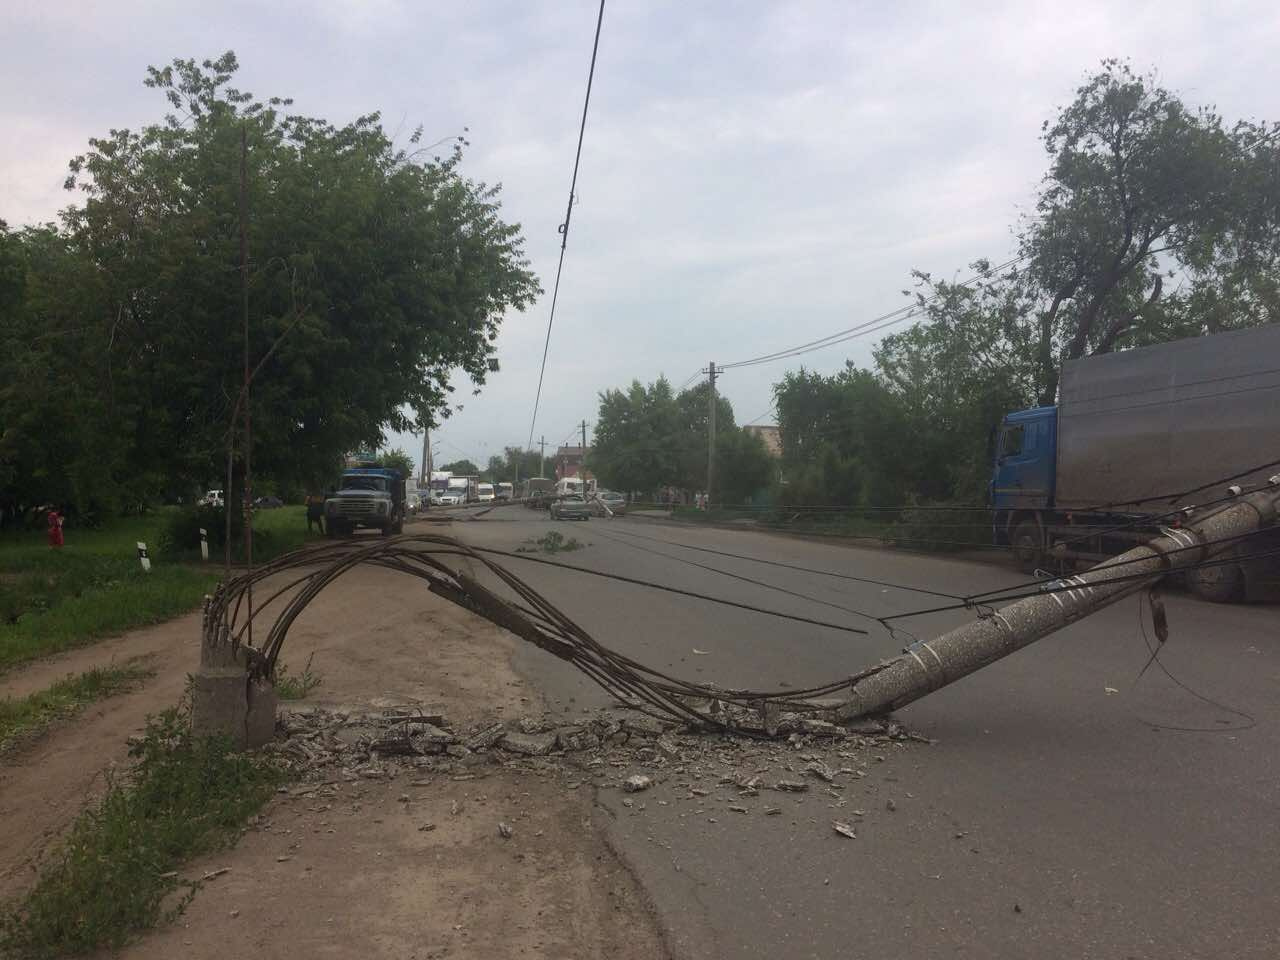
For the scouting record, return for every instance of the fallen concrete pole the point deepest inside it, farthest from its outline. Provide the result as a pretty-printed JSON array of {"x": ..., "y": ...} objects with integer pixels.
[{"x": 928, "y": 665}]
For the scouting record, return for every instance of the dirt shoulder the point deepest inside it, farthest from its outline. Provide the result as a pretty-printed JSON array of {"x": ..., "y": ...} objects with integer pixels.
[{"x": 402, "y": 866}]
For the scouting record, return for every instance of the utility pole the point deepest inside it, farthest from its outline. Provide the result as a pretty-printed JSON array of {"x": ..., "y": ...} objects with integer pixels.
[
  {"x": 248, "y": 422},
  {"x": 584, "y": 458},
  {"x": 929, "y": 664},
  {"x": 711, "y": 433},
  {"x": 542, "y": 456},
  {"x": 426, "y": 456}
]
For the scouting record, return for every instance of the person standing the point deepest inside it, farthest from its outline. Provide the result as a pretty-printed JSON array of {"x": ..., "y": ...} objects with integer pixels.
[
  {"x": 315, "y": 512},
  {"x": 55, "y": 529}
]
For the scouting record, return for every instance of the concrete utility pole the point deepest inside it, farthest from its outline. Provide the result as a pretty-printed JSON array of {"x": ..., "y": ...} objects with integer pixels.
[
  {"x": 584, "y": 458},
  {"x": 711, "y": 433},
  {"x": 929, "y": 665},
  {"x": 542, "y": 456},
  {"x": 426, "y": 457}
]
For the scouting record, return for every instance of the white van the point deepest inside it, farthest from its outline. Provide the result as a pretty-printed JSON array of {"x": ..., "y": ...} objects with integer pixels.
[
  {"x": 484, "y": 492},
  {"x": 568, "y": 485}
]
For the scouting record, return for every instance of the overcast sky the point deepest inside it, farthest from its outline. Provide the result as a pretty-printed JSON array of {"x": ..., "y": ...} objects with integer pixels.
[{"x": 755, "y": 175}]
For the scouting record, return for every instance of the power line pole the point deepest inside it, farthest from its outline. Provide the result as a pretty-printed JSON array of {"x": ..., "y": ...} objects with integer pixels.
[
  {"x": 426, "y": 456},
  {"x": 584, "y": 458},
  {"x": 248, "y": 422},
  {"x": 711, "y": 433},
  {"x": 542, "y": 456}
]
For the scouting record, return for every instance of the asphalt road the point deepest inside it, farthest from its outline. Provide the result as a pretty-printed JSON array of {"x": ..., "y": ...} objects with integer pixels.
[{"x": 1068, "y": 808}]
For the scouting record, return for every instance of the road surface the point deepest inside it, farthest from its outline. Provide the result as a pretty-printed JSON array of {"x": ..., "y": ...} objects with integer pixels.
[{"x": 1070, "y": 807}]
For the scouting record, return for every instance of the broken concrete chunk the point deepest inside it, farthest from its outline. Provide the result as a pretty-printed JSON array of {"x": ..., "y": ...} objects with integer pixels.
[
  {"x": 532, "y": 725},
  {"x": 644, "y": 725},
  {"x": 637, "y": 783},
  {"x": 820, "y": 770},
  {"x": 529, "y": 744},
  {"x": 576, "y": 738},
  {"x": 505, "y": 831},
  {"x": 486, "y": 737},
  {"x": 791, "y": 786},
  {"x": 842, "y": 828}
]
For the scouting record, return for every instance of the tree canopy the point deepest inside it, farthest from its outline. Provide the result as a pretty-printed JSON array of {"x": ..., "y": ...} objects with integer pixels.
[
  {"x": 375, "y": 271},
  {"x": 647, "y": 438}
]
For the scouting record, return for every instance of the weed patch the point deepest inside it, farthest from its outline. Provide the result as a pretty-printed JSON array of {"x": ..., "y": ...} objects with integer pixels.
[
  {"x": 296, "y": 686},
  {"x": 553, "y": 542},
  {"x": 24, "y": 718},
  {"x": 115, "y": 874}
]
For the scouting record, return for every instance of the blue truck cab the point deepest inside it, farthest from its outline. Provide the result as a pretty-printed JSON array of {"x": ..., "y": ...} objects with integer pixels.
[{"x": 1022, "y": 478}]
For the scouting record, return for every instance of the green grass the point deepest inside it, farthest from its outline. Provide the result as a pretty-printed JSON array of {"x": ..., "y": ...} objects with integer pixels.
[
  {"x": 24, "y": 718},
  {"x": 54, "y": 600},
  {"x": 553, "y": 542},
  {"x": 115, "y": 874},
  {"x": 296, "y": 686}
]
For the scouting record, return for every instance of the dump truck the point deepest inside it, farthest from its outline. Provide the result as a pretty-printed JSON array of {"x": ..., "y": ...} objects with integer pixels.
[
  {"x": 366, "y": 497},
  {"x": 1135, "y": 436}
]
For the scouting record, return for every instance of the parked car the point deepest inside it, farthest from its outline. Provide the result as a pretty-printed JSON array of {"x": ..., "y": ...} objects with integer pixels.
[
  {"x": 448, "y": 498},
  {"x": 572, "y": 507},
  {"x": 268, "y": 503},
  {"x": 615, "y": 501}
]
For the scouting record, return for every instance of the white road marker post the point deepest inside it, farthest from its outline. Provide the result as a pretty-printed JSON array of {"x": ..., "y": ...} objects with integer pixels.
[
  {"x": 143, "y": 558},
  {"x": 204, "y": 544}
]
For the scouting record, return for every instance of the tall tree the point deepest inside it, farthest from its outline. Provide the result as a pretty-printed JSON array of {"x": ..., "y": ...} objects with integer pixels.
[{"x": 375, "y": 272}]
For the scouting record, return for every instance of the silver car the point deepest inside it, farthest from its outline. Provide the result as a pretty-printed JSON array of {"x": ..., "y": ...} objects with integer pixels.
[
  {"x": 571, "y": 507},
  {"x": 616, "y": 503}
]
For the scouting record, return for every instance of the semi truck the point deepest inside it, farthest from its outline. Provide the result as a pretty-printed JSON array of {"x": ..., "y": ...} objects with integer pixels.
[
  {"x": 1135, "y": 437},
  {"x": 366, "y": 497}
]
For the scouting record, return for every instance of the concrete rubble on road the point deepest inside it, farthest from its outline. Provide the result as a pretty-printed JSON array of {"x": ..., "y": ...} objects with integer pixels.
[{"x": 614, "y": 748}]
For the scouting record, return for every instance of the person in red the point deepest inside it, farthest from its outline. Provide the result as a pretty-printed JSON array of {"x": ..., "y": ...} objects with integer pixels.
[{"x": 55, "y": 529}]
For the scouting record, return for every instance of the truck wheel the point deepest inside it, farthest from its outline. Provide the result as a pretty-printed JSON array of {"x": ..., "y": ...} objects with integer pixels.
[
  {"x": 1219, "y": 584},
  {"x": 1027, "y": 547}
]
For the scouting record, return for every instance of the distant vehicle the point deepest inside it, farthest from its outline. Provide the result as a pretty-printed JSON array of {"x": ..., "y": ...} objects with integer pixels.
[
  {"x": 537, "y": 492},
  {"x": 212, "y": 498},
  {"x": 412, "y": 503},
  {"x": 366, "y": 497},
  {"x": 461, "y": 488},
  {"x": 484, "y": 492},
  {"x": 437, "y": 484},
  {"x": 268, "y": 503},
  {"x": 616, "y": 503},
  {"x": 571, "y": 507},
  {"x": 504, "y": 491},
  {"x": 1131, "y": 429},
  {"x": 448, "y": 498},
  {"x": 568, "y": 485}
]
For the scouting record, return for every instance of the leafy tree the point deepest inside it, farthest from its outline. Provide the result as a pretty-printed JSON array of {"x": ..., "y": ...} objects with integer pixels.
[
  {"x": 646, "y": 439},
  {"x": 374, "y": 273},
  {"x": 397, "y": 460},
  {"x": 514, "y": 464},
  {"x": 462, "y": 467}
]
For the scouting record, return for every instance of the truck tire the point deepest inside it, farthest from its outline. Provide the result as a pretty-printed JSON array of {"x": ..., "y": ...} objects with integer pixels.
[
  {"x": 1028, "y": 547},
  {"x": 1223, "y": 583}
]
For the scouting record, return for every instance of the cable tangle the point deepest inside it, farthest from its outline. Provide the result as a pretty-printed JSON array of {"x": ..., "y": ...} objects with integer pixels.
[{"x": 452, "y": 570}]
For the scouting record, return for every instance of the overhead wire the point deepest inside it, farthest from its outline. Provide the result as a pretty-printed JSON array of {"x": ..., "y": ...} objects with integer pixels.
[{"x": 564, "y": 227}]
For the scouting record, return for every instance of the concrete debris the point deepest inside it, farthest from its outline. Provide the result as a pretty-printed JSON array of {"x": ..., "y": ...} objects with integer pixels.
[
  {"x": 637, "y": 783},
  {"x": 820, "y": 770},
  {"x": 485, "y": 737},
  {"x": 533, "y": 725},
  {"x": 844, "y": 829},
  {"x": 505, "y": 831},
  {"x": 791, "y": 786},
  {"x": 772, "y": 811},
  {"x": 529, "y": 744}
]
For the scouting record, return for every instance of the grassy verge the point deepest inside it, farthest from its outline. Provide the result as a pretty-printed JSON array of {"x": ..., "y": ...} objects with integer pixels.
[
  {"x": 53, "y": 600},
  {"x": 115, "y": 874},
  {"x": 26, "y": 717},
  {"x": 105, "y": 608}
]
